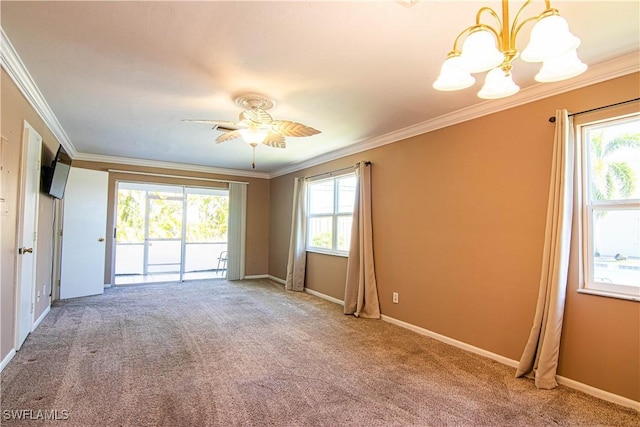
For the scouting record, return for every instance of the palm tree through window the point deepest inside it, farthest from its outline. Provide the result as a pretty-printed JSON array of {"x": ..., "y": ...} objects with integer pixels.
[{"x": 612, "y": 205}]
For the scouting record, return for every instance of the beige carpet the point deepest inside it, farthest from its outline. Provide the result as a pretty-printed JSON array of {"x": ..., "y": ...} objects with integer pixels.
[{"x": 248, "y": 353}]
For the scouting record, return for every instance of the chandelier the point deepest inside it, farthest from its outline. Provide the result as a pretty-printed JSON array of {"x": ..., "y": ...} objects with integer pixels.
[{"x": 485, "y": 48}]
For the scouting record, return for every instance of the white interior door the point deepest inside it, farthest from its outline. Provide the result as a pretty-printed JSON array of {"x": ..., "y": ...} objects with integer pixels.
[
  {"x": 83, "y": 233},
  {"x": 27, "y": 234}
]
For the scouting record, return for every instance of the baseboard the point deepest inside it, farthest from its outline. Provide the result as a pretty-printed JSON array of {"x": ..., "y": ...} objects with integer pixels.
[
  {"x": 310, "y": 291},
  {"x": 7, "y": 359},
  {"x": 256, "y": 276},
  {"x": 451, "y": 341},
  {"x": 277, "y": 279},
  {"x": 41, "y": 318},
  {"x": 593, "y": 391},
  {"x": 323, "y": 296},
  {"x": 600, "y": 394}
]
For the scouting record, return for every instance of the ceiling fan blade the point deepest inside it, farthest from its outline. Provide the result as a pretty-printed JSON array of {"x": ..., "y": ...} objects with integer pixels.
[
  {"x": 257, "y": 115},
  {"x": 227, "y": 136},
  {"x": 211, "y": 122},
  {"x": 275, "y": 140},
  {"x": 221, "y": 125},
  {"x": 287, "y": 128}
]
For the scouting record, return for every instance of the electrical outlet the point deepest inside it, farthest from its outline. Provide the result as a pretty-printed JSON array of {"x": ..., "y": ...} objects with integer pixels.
[{"x": 395, "y": 297}]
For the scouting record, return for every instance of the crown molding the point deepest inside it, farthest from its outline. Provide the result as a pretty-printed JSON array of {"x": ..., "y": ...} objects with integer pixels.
[
  {"x": 16, "y": 69},
  {"x": 617, "y": 67},
  {"x": 168, "y": 165}
]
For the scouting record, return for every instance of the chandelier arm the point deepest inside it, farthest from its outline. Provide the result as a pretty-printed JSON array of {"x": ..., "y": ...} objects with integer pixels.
[
  {"x": 469, "y": 30},
  {"x": 455, "y": 49},
  {"x": 489, "y": 11},
  {"x": 516, "y": 27},
  {"x": 501, "y": 25}
]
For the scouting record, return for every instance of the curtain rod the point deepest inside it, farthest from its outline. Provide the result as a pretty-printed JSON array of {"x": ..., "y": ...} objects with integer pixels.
[
  {"x": 162, "y": 175},
  {"x": 553, "y": 119},
  {"x": 367, "y": 163}
]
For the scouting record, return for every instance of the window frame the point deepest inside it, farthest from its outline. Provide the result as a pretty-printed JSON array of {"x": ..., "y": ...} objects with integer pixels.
[
  {"x": 588, "y": 284},
  {"x": 335, "y": 215}
]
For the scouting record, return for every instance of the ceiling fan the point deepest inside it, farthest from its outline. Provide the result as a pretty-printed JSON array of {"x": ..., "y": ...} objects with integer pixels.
[{"x": 256, "y": 126}]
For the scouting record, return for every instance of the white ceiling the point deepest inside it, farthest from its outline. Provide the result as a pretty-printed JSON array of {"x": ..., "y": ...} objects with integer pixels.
[{"x": 120, "y": 76}]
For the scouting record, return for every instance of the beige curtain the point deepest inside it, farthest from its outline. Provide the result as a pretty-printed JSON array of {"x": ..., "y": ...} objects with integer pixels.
[
  {"x": 298, "y": 241},
  {"x": 361, "y": 291},
  {"x": 237, "y": 230},
  {"x": 540, "y": 357}
]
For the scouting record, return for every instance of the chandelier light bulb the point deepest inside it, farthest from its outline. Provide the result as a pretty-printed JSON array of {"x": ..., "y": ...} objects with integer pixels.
[
  {"x": 479, "y": 52},
  {"x": 561, "y": 68},
  {"x": 498, "y": 84},
  {"x": 550, "y": 37},
  {"x": 452, "y": 76}
]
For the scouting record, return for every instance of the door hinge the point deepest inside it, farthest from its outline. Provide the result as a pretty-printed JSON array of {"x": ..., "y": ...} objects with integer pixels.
[{"x": 32, "y": 308}]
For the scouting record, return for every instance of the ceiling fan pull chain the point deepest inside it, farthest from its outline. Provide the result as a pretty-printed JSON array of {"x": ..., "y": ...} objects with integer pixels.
[{"x": 253, "y": 160}]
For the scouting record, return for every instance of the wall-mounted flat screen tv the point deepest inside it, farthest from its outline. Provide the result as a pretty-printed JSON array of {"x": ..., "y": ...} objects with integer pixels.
[{"x": 54, "y": 177}]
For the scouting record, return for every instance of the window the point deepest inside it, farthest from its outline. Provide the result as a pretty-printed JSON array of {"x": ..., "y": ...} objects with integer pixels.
[
  {"x": 611, "y": 210},
  {"x": 329, "y": 213}
]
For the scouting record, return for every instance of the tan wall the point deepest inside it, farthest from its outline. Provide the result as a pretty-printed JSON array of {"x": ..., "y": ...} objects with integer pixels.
[
  {"x": 326, "y": 274},
  {"x": 16, "y": 109},
  {"x": 257, "y": 244},
  {"x": 458, "y": 225},
  {"x": 280, "y": 225}
]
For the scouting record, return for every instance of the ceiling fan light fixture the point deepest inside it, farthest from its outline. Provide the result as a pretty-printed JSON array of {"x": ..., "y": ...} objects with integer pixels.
[
  {"x": 253, "y": 135},
  {"x": 255, "y": 126}
]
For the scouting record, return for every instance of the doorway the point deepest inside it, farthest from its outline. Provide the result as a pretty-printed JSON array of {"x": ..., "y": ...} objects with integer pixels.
[{"x": 170, "y": 233}]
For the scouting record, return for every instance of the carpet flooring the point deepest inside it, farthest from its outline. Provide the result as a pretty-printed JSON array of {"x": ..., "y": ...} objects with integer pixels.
[{"x": 247, "y": 353}]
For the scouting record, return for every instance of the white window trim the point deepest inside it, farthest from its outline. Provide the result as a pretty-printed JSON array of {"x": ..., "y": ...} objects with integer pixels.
[
  {"x": 588, "y": 285},
  {"x": 334, "y": 216}
]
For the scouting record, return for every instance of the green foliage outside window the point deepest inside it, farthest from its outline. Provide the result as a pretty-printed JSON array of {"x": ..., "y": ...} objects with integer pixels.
[
  {"x": 131, "y": 212},
  {"x": 321, "y": 240},
  {"x": 207, "y": 217},
  {"x": 611, "y": 179},
  {"x": 210, "y": 222}
]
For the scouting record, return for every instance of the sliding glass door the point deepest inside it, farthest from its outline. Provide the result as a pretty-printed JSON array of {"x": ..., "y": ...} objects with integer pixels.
[
  {"x": 205, "y": 242},
  {"x": 163, "y": 236},
  {"x": 170, "y": 233}
]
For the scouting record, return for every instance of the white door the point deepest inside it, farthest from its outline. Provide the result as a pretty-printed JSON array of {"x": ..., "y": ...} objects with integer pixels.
[
  {"x": 83, "y": 233},
  {"x": 27, "y": 234}
]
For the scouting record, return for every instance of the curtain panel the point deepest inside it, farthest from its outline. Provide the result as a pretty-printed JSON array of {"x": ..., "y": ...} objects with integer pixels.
[
  {"x": 540, "y": 357},
  {"x": 237, "y": 230},
  {"x": 361, "y": 290},
  {"x": 298, "y": 241}
]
